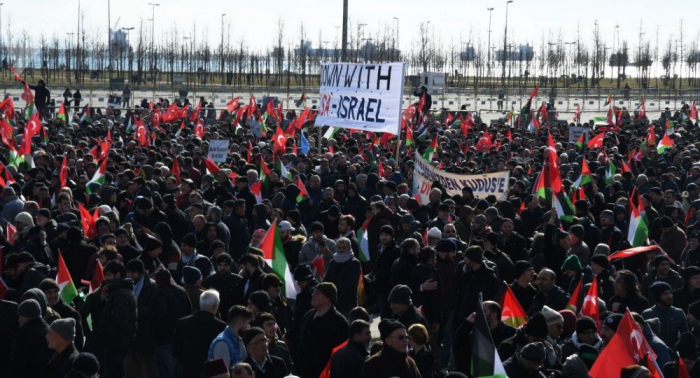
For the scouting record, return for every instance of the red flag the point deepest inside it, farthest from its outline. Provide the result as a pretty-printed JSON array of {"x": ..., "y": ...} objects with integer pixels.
[
  {"x": 590, "y": 303},
  {"x": 318, "y": 266},
  {"x": 97, "y": 277},
  {"x": 175, "y": 170},
  {"x": 450, "y": 119},
  {"x": 521, "y": 208},
  {"x": 199, "y": 129},
  {"x": 11, "y": 231},
  {"x": 534, "y": 93},
  {"x": 596, "y": 141},
  {"x": 249, "y": 152},
  {"x": 682, "y": 370},
  {"x": 211, "y": 166},
  {"x": 326, "y": 373},
  {"x": 233, "y": 104},
  {"x": 252, "y": 107},
  {"x": 577, "y": 114},
  {"x": 575, "y": 298},
  {"x": 270, "y": 110},
  {"x": 17, "y": 77},
  {"x": 632, "y": 252},
  {"x": 196, "y": 112},
  {"x": 89, "y": 228},
  {"x": 280, "y": 142},
  {"x": 627, "y": 347},
  {"x": 27, "y": 95},
  {"x": 63, "y": 174}
]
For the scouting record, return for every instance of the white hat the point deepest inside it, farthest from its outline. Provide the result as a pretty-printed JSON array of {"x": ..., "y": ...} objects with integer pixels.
[
  {"x": 435, "y": 233},
  {"x": 286, "y": 226}
]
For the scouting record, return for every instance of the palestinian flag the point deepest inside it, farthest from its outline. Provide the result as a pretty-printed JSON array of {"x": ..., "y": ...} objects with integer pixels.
[
  {"x": 670, "y": 127},
  {"x": 301, "y": 103},
  {"x": 284, "y": 173},
  {"x": 534, "y": 124},
  {"x": 509, "y": 116},
  {"x": 608, "y": 100},
  {"x": 512, "y": 313},
  {"x": 409, "y": 138},
  {"x": 256, "y": 189},
  {"x": 665, "y": 144},
  {"x": 86, "y": 113},
  {"x": 179, "y": 131},
  {"x": 575, "y": 299},
  {"x": 431, "y": 151},
  {"x": 610, "y": 172},
  {"x": 303, "y": 194},
  {"x": 273, "y": 251},
  {"x": 596, "y": 141},
  {"x": 639, "y": 224},
  {"x": 62, "y": 113},
  {"x": 581, "y": 141},
  {"x": 264, "y": 173},
  {"x": 363, "y": 238},
  {"x": 99, "y": 176},
  {"x": 66, "y": 287},
  {"x": 586, "y": 177},
  {"x": 485, "y": 359},
  {"x": 330, "y": 133}
]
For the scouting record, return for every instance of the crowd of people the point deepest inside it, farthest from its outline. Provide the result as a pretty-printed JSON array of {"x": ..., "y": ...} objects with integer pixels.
[{"x": 188, "y": 291}]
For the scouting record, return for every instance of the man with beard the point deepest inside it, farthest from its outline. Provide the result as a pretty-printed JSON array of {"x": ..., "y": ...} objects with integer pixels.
[
  {"x": 609, "y": 233},
  {"x": 291, "y": 244},
  {"x": 125, "y": 249},
  {"x": 347, "y": 361},
  {"x": 510, "y": 242},
  {"x": 252, "y": 278},
  {"x": 225, "y": 282},
  {"x": 229, "y": 345},
  {"x": 392, "y": 360},
  {"x": 522, "y": 285},
  {"x": 672, "y": 319}
]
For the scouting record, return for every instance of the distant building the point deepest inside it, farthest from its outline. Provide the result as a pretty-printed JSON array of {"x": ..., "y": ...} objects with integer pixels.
[
  {"x": 519, "y": 53},
  {"x": 119, "y": 38},
  {"x": 468, "y": 54}
]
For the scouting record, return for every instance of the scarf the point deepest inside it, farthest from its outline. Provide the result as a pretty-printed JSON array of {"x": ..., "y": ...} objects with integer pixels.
[
  {"x": 189, "y": 260},
  {"x": 342, "y": 257},
  {"x": 139, "y": 286}
]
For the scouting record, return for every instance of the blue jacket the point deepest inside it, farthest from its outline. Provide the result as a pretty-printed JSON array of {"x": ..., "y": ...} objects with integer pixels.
[
  {"x": 672, "y": 322},
  {"x": 236, "y": 349}
]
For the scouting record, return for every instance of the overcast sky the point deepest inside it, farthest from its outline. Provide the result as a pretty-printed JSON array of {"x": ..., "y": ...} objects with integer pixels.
[{"x": 256, "y": 21}]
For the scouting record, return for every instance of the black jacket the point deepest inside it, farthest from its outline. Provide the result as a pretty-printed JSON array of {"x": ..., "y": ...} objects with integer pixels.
[
  {"x": 482, "y": 280},
  {"x": 240, "y": 238},
  {"x": 61, "y": 363},
  {"x": 254, "y": 283},
  {"x": 345, "y": 276},
  {"x": 226, "y": 286},
  {"x": 411, "y": 317},
  {"x": 302, "y": 306},
  {"x": 383, "y": 265},
  {"x": 317, "y": 338},
  {"x": 401, "y": 269},
  {"x": 169, "y": 303},
  {"x": 523, "y": 294},
  {"x": 556, "y": 300},
  {"x": 429, "y": 300},
  {"x": 118, "y": 324},
  {"x": 390, "y": 363},
  {"x": 347, "y": 361},
  {"x": 30, "y": 351},
  {"x": 8, "y": 328},
  {"x": 274, "y": 367},
  {"x": 193, "y": 336},
  {"x": 144, "y": 336}
]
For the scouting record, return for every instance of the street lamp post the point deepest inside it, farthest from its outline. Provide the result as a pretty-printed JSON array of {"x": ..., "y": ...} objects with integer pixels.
[
  {"x": 488, "y": 63},
  {"x": 153, "y": 38},
  {"x": 70, "y": 45},
  {"x": 223, "y": 78},
  {"x": 505, "y": 43},
  {"x": 184, "y": 41},
  {"x": 361, "y": 36},
  {"x": 1, "y": 46},
  {"x": 397, "y": 48},
  {"x": 128, "y": 47},
  {"x": 344, "y": 54}
]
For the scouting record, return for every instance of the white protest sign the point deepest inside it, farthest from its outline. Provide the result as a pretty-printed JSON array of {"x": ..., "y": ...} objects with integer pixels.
[
  {"x": 218, "y": 150},
  {"x": 575, "y": 133},
  {"x": 484, "y": 185},
  {"x": 362, "y": 96}
]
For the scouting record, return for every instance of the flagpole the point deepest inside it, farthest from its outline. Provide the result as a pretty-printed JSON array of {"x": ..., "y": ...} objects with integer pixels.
[{"x": 398, "y": 135}]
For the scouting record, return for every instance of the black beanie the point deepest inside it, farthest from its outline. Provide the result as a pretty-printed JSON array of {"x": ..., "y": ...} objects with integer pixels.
[
  {"x": 387, "y": 326},
  {"x": 666, "y": 222},
  {"x": 577, "y": 230},
  {"x": 475, "y": 253},
  {"x": 659, "y": 259},
  {"x": 189, "y": 240},
  {"x": 135, "y": 265},
  {"x": 585, "y": 323},
  {"x": 386, "y": 229},
  {"x": 601, "y": 260},
  {"x": 251, "y": 333},
  {"x": 537, "y": 326},
  {"x": 521, "y": 266}
]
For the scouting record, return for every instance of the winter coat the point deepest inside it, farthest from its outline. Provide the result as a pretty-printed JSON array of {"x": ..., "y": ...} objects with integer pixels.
[
  {"x": 226, "y": 286},
  {"x": 672, "y": 321},
  {"x": 66, "y": 312},
  {"x": 240, "y": 237},
  {"x": 8, "y": 328},
  {"x": 556, "y": 300},
  {"x": 523, "y": 294},
  {"x": 515, "y": 246},
  {"x": 425, "y": 360},
  {"x": 302, "y": 306},
  {"x": 388, "y": 362},
  {"x": 673, "y": 243},
  {"x": 144, "y": 336},
  {"x": 636, "y": 303},
  {"x": 514, "y": 369},
  {"x": 683, "y": 298},
  {"x": 76, "y": 257},
  {"x": 30, "y": 350},
  {"x": 382, "y": 267},
  {"x": 673, "y": 279},
  {"x": 347, "y": 361},
  {"x": 61, "y": 363},
  {"x": 310, "y": 250},
  {"x": 345, "y": 276},
  {"x": 253, "y": 283},
  {"x": 317, "y": 338},
  {"x": 274, "y": 367},
  {"x": 428, "y": 300},
  {"x": 401, "y": 269},
  {"x": 193, "y": 336},
  {"x": 118, "y": 324},
  {"x": 482, "y": 280},
  {"x": 169, "y": 303}
]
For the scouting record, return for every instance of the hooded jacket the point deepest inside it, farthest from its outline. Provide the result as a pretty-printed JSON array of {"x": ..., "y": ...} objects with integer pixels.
[{"x": 118, "y": 324}]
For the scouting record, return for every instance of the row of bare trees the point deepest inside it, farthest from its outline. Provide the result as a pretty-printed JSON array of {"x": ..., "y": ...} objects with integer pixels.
[{"x": 293, "y": 58}]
